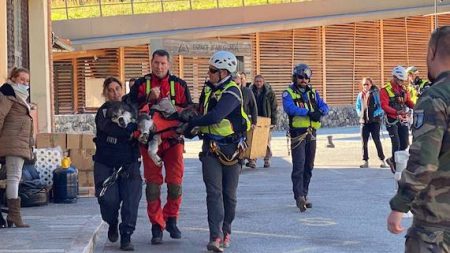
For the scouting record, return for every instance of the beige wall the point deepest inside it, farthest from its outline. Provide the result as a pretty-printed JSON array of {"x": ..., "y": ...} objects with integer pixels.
[
  {"x": 3, "y": 43},
  {"x": 39, "y": 62}
]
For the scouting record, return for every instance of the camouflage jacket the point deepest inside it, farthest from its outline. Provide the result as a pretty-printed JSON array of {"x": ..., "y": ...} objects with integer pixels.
[{"x": 424, "y": 187}]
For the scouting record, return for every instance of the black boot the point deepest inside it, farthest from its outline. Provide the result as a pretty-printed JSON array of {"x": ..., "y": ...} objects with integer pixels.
[
  {"x": 157, "y": 234},
  {"x": 125, "y": 242},
  {"x": 171, "y": 227},
  {"x": 301, "y": 204},
  {"x": 113, "y": 234}
]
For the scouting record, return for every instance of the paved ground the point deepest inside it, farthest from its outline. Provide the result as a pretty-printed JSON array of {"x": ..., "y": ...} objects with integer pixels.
[
  {"x": 349, "y": 213},
  {"x": 54, "y": 228}
]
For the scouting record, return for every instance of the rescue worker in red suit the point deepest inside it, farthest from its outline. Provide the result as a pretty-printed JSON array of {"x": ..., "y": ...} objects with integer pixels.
[{"x": 145, "y": 92}]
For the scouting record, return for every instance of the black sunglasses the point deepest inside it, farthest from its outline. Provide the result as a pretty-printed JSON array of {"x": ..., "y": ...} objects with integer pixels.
[
  {"x": 302, "y": 77},
  {"x": 213, "y": 71}
]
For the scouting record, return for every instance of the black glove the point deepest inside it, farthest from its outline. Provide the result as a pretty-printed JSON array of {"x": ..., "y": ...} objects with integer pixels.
[
  {"x": 315, "y": 116},
  {"x": 187, "y": 130}
]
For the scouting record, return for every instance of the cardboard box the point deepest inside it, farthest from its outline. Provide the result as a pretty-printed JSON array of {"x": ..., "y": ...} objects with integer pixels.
[
  {"x": 86, "y": 191},
  {"x": 86, "y": 178},
  {"x": 87, "y": 141},
  {"x": 82, "y": 159},
  {"x": 258, "y": 138},
  {"x": 80, "y": 141},
  {"x": 74, "y": 141},
  {"x": 51, "y": 140}
]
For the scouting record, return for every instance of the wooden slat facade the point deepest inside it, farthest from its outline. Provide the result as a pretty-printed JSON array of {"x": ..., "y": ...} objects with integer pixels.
[
  {"x": 340, "y": 55},
  {"x": 70, "y": 74}
]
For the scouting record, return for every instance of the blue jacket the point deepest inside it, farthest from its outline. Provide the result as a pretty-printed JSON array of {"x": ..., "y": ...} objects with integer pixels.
[
  {"x": 292, "y": 109},
  {"x": 374, "y": 110}
]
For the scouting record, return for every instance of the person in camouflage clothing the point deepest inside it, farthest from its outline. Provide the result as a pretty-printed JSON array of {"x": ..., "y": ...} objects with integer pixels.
[{"x": 424, "y": 187}]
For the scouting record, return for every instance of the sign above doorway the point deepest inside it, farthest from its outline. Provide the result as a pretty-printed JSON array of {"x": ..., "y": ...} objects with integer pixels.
[{"x": 206, "y": 47}]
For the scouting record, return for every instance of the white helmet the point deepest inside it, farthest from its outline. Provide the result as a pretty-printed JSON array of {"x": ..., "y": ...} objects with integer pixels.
[
  {"x": 224, "y": 60},
  {"x": 400, "y": 73}
]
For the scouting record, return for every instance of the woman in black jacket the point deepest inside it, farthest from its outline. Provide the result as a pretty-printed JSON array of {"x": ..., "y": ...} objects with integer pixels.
[{"x": 117, "y": 153}]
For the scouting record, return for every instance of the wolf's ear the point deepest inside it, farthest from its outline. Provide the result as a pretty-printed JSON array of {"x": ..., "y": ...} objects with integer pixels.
[{"x": 134, "y": 106}]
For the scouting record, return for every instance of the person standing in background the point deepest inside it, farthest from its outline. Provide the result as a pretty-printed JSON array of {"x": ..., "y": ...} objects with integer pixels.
[
  {"x": 267, "y": 107},
  {"x": 368, "y": 108},
  {"x": 16, "y": 129}
]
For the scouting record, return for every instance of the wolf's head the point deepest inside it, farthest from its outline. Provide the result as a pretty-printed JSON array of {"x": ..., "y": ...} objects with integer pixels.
[
  {"x": 146, "y": 126},
  {"x": 120, "y": 113}
]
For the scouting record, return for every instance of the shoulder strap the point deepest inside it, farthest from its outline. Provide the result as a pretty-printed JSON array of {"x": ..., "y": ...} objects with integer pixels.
[{"x": 148, "y": 84}]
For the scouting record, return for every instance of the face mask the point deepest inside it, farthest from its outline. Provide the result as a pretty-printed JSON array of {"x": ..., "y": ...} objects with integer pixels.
[{"x": 23, "y": 87}]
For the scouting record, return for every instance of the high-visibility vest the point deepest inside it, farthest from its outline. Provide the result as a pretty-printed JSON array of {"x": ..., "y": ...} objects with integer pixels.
[
  {"x": 304, "y": 121},
  {"x": 413, "y": 94},
  {"x": 394, "y": 98},
  {"x": 223, "y": 128}
]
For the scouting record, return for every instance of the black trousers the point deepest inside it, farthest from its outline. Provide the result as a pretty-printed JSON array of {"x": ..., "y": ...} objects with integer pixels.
[
  {"x": 366, "y": 131},
  {"x": 399, "y": 135},
  {"x": 127, "y": 191},
  {"x": 303, "y": 156},
  {"x": 221, "y": 183}
]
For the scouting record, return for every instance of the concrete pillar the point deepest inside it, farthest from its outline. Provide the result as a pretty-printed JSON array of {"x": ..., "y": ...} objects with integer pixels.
[
  {"x": 40, "y": 62},
  {"x": 3, "y": 43}
]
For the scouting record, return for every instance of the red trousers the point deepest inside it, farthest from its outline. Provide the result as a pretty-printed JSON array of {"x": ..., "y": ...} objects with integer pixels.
[{"x": 172, "y": 156}]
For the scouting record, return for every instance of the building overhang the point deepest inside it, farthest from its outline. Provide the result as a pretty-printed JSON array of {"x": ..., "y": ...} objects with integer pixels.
[{"x": 108, "y": 32}]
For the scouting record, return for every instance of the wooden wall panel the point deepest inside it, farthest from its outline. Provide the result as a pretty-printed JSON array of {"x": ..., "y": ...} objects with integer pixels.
[
  {"x": 395, "y": 50},
  {"x": 367, "y": 54},
  {"x": 95, "y": 67},
  {"x": 63, "y": 92},
  {"x": 137, "y": 61},
  {"x": 340, "y": 63},
  {"x": 308, "y": 49},
  {"x": 418, "y": 32},
  {"x": 276, "y": 59},
  {"x": 443, "y": 19},
  {"x": 194, "y": 73}
]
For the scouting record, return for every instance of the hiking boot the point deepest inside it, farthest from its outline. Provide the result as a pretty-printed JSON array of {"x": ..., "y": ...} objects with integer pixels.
[
  {"x": 251, "y": 164},
  {"x": 383, "y": 164},
  {"x": 215, "y": 245},
  {"x": 227, "y": 240},
  {"x": 125, "y": 242},
  {"x": 171, "y": 227},
  {"x": 113, "y": 234},
  {"x": 365, "y": 164},
  {"x": 157, "y": 234},
  {"x": 391, "y": 164},
  {"x": 301, "y": 204},
  {"x": 266, "y": 164}
]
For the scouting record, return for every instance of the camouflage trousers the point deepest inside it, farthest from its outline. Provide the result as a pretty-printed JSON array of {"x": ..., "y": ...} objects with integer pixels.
[{"x": 425, "y": 239}]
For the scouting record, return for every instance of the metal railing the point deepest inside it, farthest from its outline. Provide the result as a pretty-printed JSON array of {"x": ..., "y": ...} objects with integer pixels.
[{"x": 73, "y": 9}]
